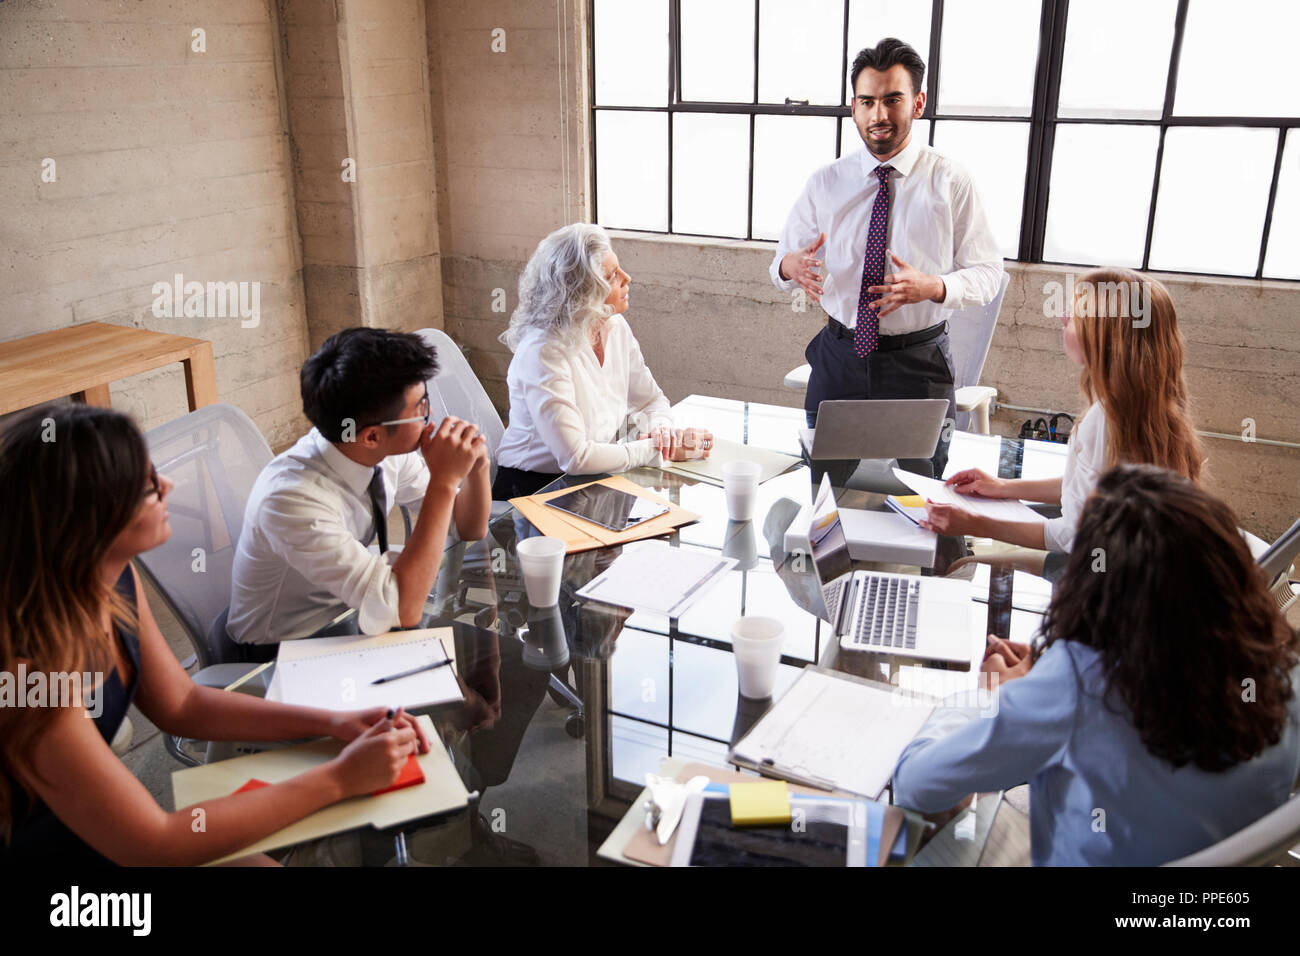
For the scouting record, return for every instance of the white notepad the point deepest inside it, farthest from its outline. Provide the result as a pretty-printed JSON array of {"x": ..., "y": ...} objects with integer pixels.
[
  {"x": 999, "y": 509},
  {"x": 659, "y": 578},
  {"x": 834, "y": 731},
  {"x": 336, "y": 673},
  {"x": 770, "y": 463}
]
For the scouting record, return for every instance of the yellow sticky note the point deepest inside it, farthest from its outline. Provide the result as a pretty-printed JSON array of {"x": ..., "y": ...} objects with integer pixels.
[
  {"x": 760, "y": 803},
  {"x": 909, "y": 501}
]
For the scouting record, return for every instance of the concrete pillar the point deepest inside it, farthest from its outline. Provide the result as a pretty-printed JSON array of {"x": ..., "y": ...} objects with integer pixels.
[{"x": 356, "y": 80}]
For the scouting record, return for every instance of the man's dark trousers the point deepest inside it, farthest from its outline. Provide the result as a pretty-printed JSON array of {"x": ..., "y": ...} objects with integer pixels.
[{"x": 913, "y": 365}]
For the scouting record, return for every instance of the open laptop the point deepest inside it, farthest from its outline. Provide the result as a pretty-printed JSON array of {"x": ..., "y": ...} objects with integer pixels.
[
  {"x": 879, "y": 428},
  {"x": 903, "y": 614}
]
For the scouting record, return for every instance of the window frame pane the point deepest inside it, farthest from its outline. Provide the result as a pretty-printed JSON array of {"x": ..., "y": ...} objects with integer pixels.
[{"x": 1044, "y": 118}]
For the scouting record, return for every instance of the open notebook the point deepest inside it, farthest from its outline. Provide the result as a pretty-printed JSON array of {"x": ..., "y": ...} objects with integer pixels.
[
  {"x": 437, "y": 790},
  {"x": 337, "y": 673}
]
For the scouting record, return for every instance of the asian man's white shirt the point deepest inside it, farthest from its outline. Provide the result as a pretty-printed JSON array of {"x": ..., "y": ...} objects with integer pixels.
[{"x": 301, "y": 560}]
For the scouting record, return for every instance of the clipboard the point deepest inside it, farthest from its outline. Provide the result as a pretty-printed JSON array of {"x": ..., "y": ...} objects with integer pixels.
[
  {"x": 802, "y": 716},
  {"x": 580, "y": 535},
  {"x": 441, "y": 791}
]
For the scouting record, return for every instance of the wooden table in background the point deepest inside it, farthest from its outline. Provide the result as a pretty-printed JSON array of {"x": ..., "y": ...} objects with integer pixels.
[{"x": 82, "y": 360}]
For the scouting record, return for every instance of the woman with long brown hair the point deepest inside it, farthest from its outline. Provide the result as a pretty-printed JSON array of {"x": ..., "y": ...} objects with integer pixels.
[
  {"x": 80, "y": 500},
  {"x": 1159, "y": 717},
  {"x": 1123, "y": 329}
]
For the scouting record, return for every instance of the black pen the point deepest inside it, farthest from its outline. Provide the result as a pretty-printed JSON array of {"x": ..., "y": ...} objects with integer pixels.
[{"x": 413, "y": 670}]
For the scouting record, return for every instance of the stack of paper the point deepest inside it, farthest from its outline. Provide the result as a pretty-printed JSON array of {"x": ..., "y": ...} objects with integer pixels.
[{"x": 1000, "y": 509}]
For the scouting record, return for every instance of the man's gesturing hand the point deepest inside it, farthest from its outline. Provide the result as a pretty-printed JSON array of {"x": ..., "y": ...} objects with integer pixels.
[
  {"x": 905, "y": 286},
  {"x": 804, "y": 267}
]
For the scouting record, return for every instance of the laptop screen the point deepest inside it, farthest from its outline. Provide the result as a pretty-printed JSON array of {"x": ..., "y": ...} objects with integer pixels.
[{"x": 830, "y": 548}]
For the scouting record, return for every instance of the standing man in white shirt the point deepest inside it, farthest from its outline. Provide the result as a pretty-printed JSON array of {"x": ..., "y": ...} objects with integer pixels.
[
  {"x": 904, "y": 240},
  {"x": 303, "y": 555}
]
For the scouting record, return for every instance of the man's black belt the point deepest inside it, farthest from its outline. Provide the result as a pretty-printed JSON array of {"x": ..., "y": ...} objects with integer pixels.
[{"x": 889, "y": 343}]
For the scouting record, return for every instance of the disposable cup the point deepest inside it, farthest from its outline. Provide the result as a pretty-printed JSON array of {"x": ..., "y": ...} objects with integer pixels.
[
  {"x": 541, "y": 560},
  {"x": 740, "y": 485},
  {"x": 756, "y": 643}
]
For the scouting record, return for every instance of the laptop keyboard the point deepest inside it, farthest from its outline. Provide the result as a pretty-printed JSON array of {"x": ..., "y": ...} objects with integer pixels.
[
  {"x": 832, "y": 593},
  {"x": 887, "y": 611}
]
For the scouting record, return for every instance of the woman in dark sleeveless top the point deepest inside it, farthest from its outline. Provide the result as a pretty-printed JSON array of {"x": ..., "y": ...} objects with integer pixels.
[
  {"x": 40, "y": 836},
  {"x": 81, "y": 500}
]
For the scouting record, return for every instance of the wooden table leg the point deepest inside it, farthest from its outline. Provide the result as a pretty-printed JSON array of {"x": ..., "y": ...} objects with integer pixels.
[
  {"x": 200, "y": 377},
  {"x": 98, "y": 395}
]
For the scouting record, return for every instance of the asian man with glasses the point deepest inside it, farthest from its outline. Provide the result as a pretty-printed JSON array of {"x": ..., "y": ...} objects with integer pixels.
[{"x": 303, "y": 556}]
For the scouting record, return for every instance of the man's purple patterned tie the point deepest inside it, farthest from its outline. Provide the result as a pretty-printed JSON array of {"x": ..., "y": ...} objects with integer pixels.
[{"x": 867, "y": 331}]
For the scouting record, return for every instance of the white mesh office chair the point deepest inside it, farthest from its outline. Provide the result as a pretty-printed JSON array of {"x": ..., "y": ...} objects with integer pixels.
[
  {"x": 213, "y": 455},
  {"x": 456, "y": 390},
  {"x": 970, "y": 333}
]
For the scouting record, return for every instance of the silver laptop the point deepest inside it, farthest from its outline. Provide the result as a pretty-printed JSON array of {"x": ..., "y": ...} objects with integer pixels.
[
  {"x": 881, "y": 428},
  {"x": 903, "y": 614}
]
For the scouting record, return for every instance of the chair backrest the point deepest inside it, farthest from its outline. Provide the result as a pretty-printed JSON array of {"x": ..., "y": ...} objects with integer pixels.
[
  {"x": 213, "y": 455},
  {"x": 1281, "y": 554},
  {"x": 970, "y": 332},
  {"x": 1263, "y": 842},
  {"x": 456, "y": 390}
]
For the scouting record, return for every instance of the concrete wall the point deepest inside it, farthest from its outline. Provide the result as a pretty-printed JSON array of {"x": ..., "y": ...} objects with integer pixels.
[
  {"x": 511, "y": 154},
  {"x": 356, "y": 75},
  {"x": 167, "y": 160}
]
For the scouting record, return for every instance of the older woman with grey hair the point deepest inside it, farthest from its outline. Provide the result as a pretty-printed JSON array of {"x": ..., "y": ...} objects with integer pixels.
[{"x": 581, "y": 398}]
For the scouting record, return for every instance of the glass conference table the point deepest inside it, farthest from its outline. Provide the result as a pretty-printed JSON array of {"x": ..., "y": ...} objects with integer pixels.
[{"x": 568, "y": 707}]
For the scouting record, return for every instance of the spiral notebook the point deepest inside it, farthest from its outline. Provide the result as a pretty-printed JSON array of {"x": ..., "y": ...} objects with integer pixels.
[{"x": 337, "y": 673}]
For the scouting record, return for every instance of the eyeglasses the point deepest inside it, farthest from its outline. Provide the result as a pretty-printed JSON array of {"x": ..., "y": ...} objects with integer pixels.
[
  {"x": 424, "y": 407},
  {"x": 155, "y": 484}
]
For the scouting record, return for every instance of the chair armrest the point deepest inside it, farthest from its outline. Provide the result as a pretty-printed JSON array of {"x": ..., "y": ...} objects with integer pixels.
[
  {"x": 797, "y": 378},
  {"x": 221, "y": 676},
  {"x": 970, "y": 397},
  {"x": 1018, "y": 559}
]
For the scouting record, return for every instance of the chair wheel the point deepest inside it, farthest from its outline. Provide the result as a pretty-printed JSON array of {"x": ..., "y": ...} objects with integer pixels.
[{"x": 573, "y": 726}]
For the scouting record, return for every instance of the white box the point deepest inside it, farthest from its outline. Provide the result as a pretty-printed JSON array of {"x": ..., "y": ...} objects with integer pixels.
[{"x": 884, "y": 536}]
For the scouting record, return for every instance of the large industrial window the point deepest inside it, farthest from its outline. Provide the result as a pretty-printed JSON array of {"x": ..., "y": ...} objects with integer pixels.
[{"x": 1159, "y": 134}]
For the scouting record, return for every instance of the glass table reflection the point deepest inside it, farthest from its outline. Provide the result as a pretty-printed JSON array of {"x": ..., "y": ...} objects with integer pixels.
[{"x": 566, "y": 708}]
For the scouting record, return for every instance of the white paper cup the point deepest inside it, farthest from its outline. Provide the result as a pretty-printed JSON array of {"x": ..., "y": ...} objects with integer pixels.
[
  {"x": 542, "y": 562},
  {"x": 757, "y": 643},
  {"x": 740, "y": 484}
]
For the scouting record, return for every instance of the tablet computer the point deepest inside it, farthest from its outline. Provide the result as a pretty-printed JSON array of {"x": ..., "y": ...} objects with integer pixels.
[{"x": 607, "y": 507}]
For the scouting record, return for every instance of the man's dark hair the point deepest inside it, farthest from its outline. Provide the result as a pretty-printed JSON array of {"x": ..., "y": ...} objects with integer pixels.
[
  {"x": 889, "y": 52},
  {"x": 363, "y": 374}
]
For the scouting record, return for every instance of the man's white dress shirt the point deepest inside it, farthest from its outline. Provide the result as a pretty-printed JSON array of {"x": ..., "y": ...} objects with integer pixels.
[
  {"x": 568, "y": 411},
  {"x": 936, "y": 224},
  {"x": 301, "y": 559}
]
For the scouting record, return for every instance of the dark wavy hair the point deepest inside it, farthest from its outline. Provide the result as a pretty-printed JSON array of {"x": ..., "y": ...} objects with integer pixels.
[
  {"x": 71, "y": 479},
  {"x": 1161, "y": 583},
  {"x": 887, "y": 53},
  {"x": 362, "y": 374}
]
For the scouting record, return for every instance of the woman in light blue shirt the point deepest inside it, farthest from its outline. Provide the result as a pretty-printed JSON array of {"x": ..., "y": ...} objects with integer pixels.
[{"x": 1159, "y": 718}]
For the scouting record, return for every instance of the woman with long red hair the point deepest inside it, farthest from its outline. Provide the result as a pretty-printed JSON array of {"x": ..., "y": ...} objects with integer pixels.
[{"x": 1123, "y": 329}]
